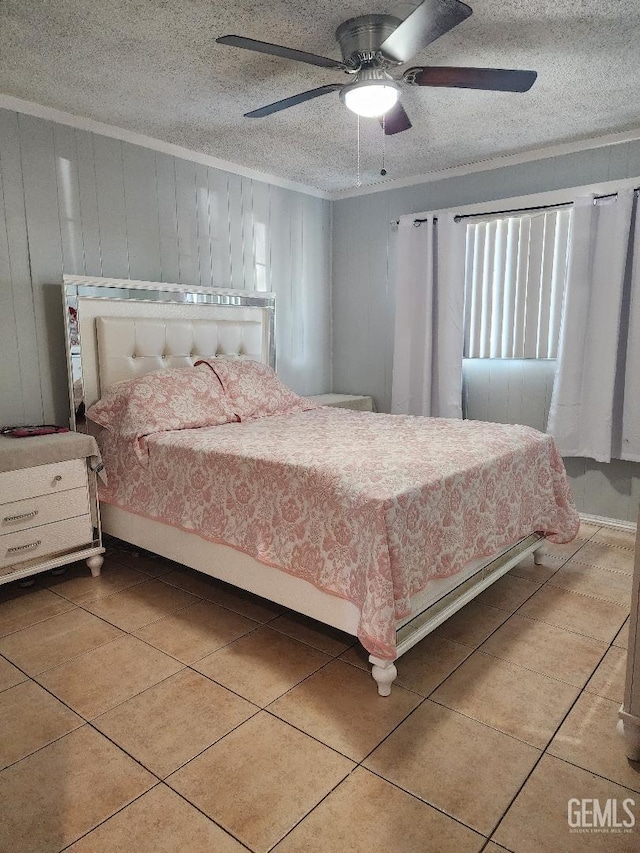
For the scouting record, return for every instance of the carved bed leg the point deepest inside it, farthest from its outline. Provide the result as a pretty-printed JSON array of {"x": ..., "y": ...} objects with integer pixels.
[
  {"x": 95, "y": 564},
  {"x": 384, "y": 673}
]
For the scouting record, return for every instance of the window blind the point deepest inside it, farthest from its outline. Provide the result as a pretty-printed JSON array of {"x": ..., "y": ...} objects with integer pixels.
[{"x": 515, "y": 273}]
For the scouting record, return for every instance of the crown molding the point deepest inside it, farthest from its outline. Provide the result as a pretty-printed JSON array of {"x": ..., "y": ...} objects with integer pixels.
[
  {"x": 18, "y": 105},
  {"x": 51, "y": 114},
  {"x": 493, "y": 163}
]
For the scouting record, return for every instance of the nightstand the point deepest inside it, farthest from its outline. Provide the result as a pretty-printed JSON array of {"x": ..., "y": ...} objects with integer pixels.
[
  {"x": 48, "y": 507},
  {"x": 345, "y": 401}
]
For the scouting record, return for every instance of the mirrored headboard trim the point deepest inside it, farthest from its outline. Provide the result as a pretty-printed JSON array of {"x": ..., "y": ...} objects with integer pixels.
[{"x": 186, "y": 303}]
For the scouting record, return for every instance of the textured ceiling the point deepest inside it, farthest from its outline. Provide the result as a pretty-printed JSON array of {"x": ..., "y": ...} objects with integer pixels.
[{"x": 152, "y": 66}]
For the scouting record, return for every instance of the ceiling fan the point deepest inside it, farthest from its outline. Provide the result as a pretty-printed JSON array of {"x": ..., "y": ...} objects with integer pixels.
[{"x": 372, "y": 44}]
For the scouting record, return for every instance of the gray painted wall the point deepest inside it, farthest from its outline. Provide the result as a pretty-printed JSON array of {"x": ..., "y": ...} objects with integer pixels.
[
  {"x": 363, "y": 307},
  {"x": 508, "y": 391},
  {"x": 76, "y": 202},
  {"x": 79, "y": 203}
]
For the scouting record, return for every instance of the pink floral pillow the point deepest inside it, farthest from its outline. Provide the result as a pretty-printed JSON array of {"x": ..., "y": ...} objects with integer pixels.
[
  {"x": 253, "y": 389},
  {"x": 174, "y": 398}
]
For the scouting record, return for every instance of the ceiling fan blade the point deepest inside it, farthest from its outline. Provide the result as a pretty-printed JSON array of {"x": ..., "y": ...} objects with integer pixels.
[
  {"x": 495, "y": 79},
  {"x": 432, "y": 19},
  {"x": 293, "y": 100},
  {"x": 395, "y": 120},
  {"x": 278, "y": 50}
]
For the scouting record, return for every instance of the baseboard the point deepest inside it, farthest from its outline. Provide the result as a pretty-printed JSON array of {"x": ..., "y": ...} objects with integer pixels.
[{"x": 601, "y": 521}]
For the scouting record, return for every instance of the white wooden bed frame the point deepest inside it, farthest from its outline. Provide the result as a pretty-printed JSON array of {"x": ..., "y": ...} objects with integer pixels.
[{"x": 129, "y": 328}]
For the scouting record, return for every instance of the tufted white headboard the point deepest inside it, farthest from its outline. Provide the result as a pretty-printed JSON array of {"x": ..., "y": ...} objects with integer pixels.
[
  {"x": 119, "y": 329},
  {"x": 129, "y": 346}
]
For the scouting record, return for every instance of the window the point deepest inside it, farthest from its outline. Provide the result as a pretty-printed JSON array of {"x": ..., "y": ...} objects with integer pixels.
[{"x": 516, "y": 269}]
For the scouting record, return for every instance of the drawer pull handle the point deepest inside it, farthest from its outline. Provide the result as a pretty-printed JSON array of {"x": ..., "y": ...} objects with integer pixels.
[
  {"x": 24, "y": 515},
  {"x": 17, "y": 548},
  {"x": 57, "y": 478}
]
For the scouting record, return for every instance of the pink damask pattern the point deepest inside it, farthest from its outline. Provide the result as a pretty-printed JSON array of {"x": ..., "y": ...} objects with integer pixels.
[
  {"x": 174, "y": 398},
  {"x": 368, "y": 507},
  {"x": 254, "y": 390}
]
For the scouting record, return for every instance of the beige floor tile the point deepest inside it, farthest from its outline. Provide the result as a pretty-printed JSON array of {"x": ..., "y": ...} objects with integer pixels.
[
  {"x": 546, "y": 558},
  {"x": 468, "y": 770},
  {"x": 77, "y": 583},
  {"x": 621, "y": 639},
  {"x": 428, "y": 663},
  {"x": 30, "y": 718},
  {"x": 591, "y": 580},
  {"x": 471, "y": 625},
  {"x": 60, "y": 638},
  {"x": 528, "y": 570},
  {"x": 517, "y": 701},
  {"x": 140, "y": 605},
  {"x": 158, "y": 822},
  {"x": 251, "y": 606},
  {"x": 583, "y": 614},
  {"x": 588, "y": 738},
  {"x": 101, "y": 679},
  {"x": 586, "y": 530},
  {"x": 537, "y": 822},
  {"x": 339, "y": 705},
  {"x": 359, "y": 656},
  {"x": 607, "y": 557},
  {"x": 546, "y": 649},
  {"x": 612, "y": 536},
  {"x": 26, "y": 607},
  {"x": 322, "y": 637},
  {"x": 195, "y": 631},
  {"x": 261, "y": 665},
  {"x": 609, "y": 678},
  {"x": 9, "y": 675},
  {"x": 491, "y": 847},
  {"x": 278, "y": 775},
  {"x": 150, "y": 564},
  {"x": 563, "y": 552},
  {"x": 169, "y": 724},
  {"x": 365, "y": 813},
  {"x": 508, "y": 593},
  {"x": 62, "y": 791}
]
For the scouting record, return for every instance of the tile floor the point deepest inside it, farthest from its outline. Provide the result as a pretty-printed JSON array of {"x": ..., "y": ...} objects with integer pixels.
[{"x": 153, "y": 709}]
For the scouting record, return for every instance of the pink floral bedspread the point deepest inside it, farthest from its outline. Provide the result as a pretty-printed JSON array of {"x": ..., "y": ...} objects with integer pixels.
[{"x": 368, "y": 507}]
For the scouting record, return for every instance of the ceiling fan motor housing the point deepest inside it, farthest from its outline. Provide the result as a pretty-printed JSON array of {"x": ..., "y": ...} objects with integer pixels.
[{"x": 360, "y": 38}]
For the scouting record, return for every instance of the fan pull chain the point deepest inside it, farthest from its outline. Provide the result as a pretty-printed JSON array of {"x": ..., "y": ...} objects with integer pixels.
[
  {"x": 358, "y": 181},
  {"x": 383, "y": 171}
]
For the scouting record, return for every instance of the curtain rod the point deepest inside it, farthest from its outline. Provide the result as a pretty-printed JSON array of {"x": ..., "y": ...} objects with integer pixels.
[{"x": 459, "y": 216}]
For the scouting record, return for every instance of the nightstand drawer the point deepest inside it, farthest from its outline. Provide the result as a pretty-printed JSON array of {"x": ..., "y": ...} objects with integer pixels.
[
  {"x": 46, "y": 540},
  {"x": 32, "y": 512},
  {"x": 42, "y": 479}
]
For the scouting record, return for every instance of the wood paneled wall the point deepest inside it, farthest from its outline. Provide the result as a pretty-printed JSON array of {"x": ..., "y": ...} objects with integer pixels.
[
  {"x": 363, "y": 305},
  {"x": 79, "y": 203}
]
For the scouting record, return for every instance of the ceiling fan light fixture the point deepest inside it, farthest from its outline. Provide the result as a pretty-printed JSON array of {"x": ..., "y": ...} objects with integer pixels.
[
  {"x": 370, "y": 100},
  {"x": 372, "y": 93}
]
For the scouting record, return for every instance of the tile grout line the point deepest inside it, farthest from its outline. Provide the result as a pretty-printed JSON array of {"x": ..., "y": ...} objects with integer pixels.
[
  {"x": 331, "y": 658},
  {"x": 544, "y": 752},
  {"x": 159, "y": 780}
]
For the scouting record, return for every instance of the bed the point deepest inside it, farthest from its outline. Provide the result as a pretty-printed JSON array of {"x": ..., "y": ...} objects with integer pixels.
[{"x": 384, "y": 552}]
